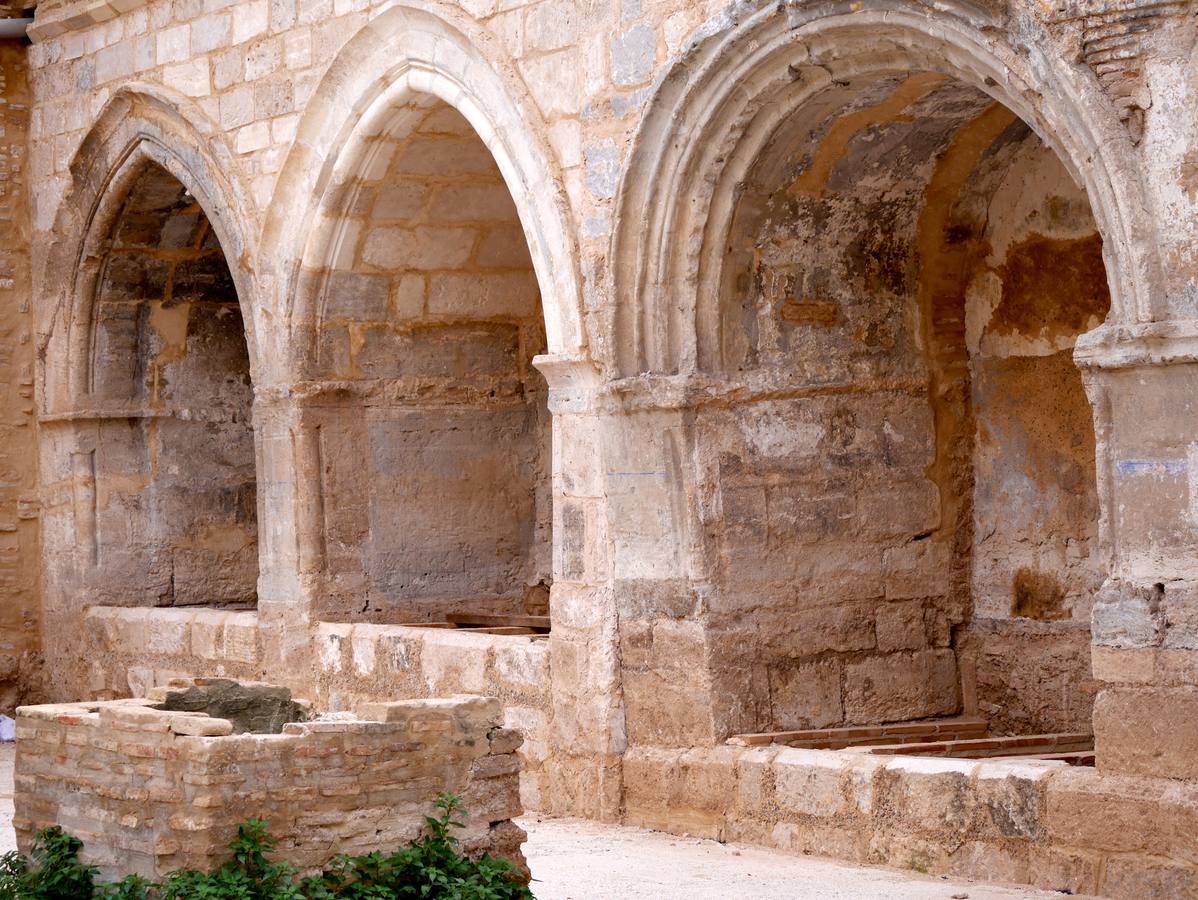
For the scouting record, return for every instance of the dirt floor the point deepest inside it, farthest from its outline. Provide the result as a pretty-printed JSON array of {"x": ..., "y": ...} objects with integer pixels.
[
  {"x": 8, "y": 840},
  {"x": 577, "y": 860}
]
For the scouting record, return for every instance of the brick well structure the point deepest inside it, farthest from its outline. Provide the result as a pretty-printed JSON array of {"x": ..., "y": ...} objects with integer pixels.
[{"x": 150, "y": 790}]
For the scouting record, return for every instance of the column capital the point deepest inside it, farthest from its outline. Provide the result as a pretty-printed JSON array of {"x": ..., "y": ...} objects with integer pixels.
[{"x": 1123, "y": 346}]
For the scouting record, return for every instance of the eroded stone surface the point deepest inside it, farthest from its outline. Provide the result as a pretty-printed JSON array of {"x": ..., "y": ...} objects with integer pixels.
[{"x": 809, "y": 366}]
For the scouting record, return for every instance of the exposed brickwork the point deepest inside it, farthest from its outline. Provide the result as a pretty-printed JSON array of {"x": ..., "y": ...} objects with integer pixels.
[{"x": 150, "y": 791}]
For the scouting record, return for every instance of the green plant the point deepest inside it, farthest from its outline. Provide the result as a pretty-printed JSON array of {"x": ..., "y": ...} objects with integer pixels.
[
  {"x": 55, "y": 873},
  {"x": 432, "y": 868}
]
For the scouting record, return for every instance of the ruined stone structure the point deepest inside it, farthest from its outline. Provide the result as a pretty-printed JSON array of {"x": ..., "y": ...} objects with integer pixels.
[
  {"x": 151, "y": 788},
  {"x": 807, "y": 364}
]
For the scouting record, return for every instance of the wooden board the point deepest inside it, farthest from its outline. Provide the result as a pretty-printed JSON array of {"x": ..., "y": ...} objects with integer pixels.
[
  {"x": 985, "y": 748},
  {"x": 539, "y": 623},
  {"x": 863, "y": 735}
]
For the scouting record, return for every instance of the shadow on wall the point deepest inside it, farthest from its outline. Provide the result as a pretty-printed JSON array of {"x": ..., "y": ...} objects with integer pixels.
[
  {"x": 170, "y": 455},
  {"x": 912, "y": 265}
]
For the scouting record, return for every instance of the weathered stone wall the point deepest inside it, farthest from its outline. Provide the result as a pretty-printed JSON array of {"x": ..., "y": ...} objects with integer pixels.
[
  {"x": 1026, "y": 822},
  {"x": 361, "y": 663},
  {"x": 133, "y": 649},
  {"x": 912, "y": 265},
  {"x": 149, "y": 790},
  {"x": 1036, "y": 559},
  {"x": 166, "y": 444},
  {"x": 20, "y": 574},
  {"x": 434, "y": 431},
  {"x": 810, "y": 278}
]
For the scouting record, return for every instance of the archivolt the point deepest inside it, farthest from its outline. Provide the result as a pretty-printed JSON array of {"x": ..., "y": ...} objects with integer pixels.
[
  {"x": 406, "y": 51},
  {"x": 140, "y": 124},
  {"x": 740, "y": 79}
]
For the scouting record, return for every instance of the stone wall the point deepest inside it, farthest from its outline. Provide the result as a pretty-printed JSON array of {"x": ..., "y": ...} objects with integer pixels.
[
  {"x": 20, "y": 577},
  {"x": 150, "y": 791},
  {"x": 1040, "y": 823},
  {"x": 869, "y": 340},
  {"x": 364, "y": 662},
  {"x": 164, "y": 468},
  {"x": 134, "y": 650},
  {"x": 432, "y": 426}
]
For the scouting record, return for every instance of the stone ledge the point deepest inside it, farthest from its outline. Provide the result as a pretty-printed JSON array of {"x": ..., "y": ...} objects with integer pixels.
[{"x": 1033, "y": 822}]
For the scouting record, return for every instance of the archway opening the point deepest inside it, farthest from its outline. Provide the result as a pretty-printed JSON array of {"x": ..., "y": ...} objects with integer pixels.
[
  {"x": 432, "y": 426},
  {"x": 172, "y": 456},
  {"x": 911, "y": 515}
]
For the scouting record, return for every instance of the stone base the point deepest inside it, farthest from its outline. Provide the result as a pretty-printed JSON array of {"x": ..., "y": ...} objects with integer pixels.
[{"x": 1028, "y": 822}]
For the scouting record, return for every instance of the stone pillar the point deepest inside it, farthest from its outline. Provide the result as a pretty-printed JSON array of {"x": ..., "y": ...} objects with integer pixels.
[
  {"x": 1143, "y": 386},
  {"x": 657, "y": 564},
  {"x": 587, "y": 728},
  {"x": 287, "y": 534}
]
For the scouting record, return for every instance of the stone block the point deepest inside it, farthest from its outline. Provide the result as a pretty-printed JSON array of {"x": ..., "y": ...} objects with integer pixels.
[
  {"x": 1078, "y": 813},
  {"x": 1063, "y": 870},
  {"x": 810, "y": 782},
  {"x": 755, "y": 782},
  {"x": 418, "y": 248},
  {"x": 632, "y": 56},
  {"x": 523, "y": 666},
  {"x": 1150, "y": 731},
  {"x": 933, "y": 796},
  {"x": 168, "y": 631},
  {"x": 1012, "y": 796},
  {"x": 900, "y": 626},
  {"x": 985, "y": 861},
  {"x": 200, "y": 726},
  {"x": 453, "y": 663},
  {"x": 901, "y": 686},
  {"x": 1148, "y": 878}
]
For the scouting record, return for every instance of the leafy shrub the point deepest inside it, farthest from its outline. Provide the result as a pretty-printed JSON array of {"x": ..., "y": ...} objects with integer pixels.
[{"x": 432, "y": 868}]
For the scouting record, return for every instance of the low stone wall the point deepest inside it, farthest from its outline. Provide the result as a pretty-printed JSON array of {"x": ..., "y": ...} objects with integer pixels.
[
  {"x": 360, "y": 662},
  {"x": 149, "y": 790},
  {"x": 1028, "y": 822},
  {"x": 134, "y": 649}
]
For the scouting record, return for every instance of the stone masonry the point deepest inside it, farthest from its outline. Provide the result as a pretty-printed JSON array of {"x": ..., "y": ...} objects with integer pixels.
[
  {"x": 150, "y": 790},
  {"x": 793, "y": 365}
]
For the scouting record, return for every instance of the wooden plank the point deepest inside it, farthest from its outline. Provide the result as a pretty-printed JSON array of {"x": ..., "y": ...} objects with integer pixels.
[
  {"x": 503, "y": 629},
  {"x": 854, "y": 735},
  {"x": 484, "y": 620},
  {"x": 982, "y": 748}
]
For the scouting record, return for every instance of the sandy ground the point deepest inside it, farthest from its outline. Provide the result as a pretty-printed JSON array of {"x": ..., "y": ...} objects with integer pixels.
[
  {"x": 8, "y": 840},
  {"x": 578, "y": 860}
]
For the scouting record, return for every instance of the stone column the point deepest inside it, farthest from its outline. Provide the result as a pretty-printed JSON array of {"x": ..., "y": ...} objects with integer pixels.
[
  {"x": 1143, "y": 386},
  {"x": 288, "y": 532},
  {"x": 587, "y": 725}
]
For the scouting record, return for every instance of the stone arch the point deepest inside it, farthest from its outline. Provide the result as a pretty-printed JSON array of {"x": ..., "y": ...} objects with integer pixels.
[
  {"x": 719, "y": 106},
  {"x": 148, "y": 355},
  {"x": 407, "y": 51},
  {"x": 141, "y": 125}
]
